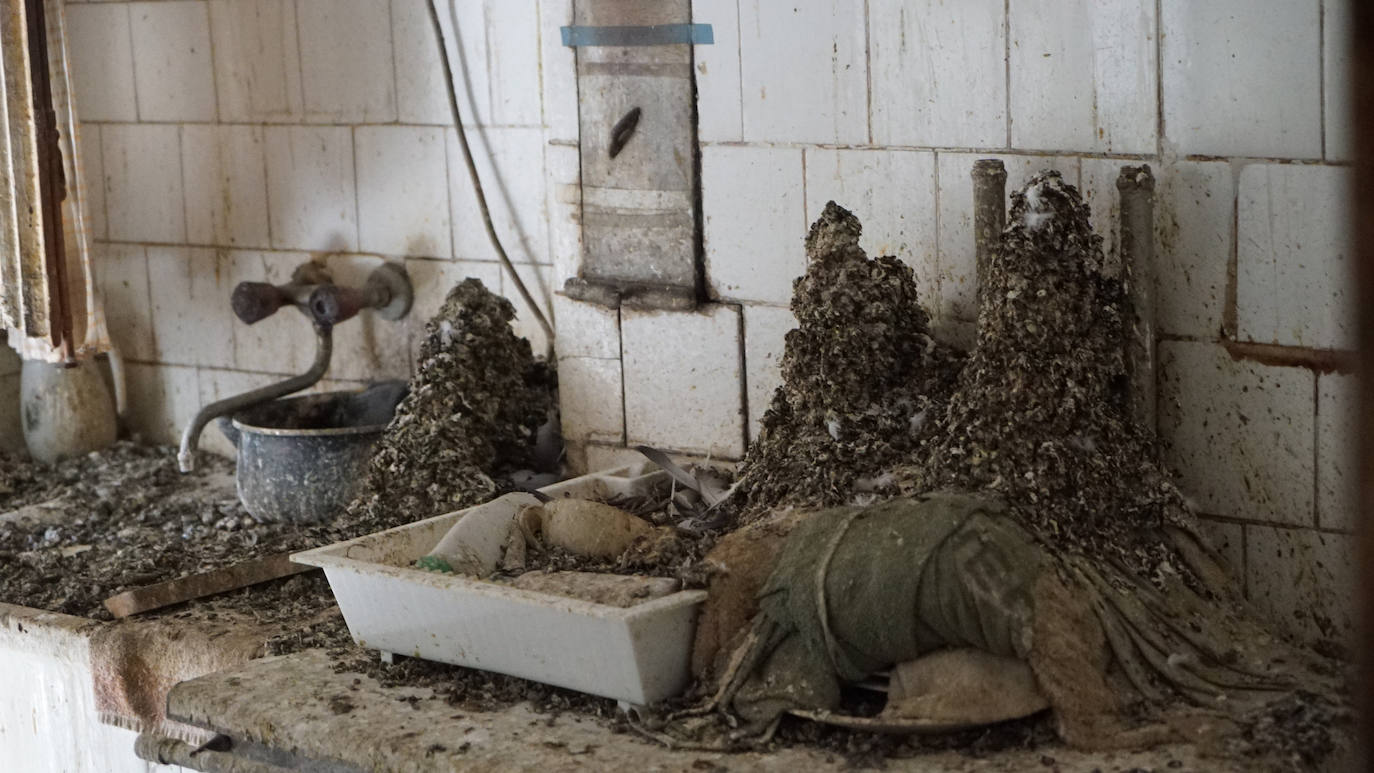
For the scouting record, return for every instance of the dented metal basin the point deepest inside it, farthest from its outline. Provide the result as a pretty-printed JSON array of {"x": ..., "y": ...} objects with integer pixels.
[{"x": 300, "y": 459}]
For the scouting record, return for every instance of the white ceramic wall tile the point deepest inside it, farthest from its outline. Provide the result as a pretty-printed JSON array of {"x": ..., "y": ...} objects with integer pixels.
[
  {"x": 804, "y": 72},
  {"x": 512, "y": 72},
  {"x": 403, "y": 206},
  {"x": 558, "y": 67},
  {"x": 102, "y": 62},
  {"x": 122, "y": 270},
  {"x": 1194, "y": 210},
  {"x": 192, "y": 321},
  {"x": 162, "y": 400},
  {"x": 257, "y": 60},
  {"x": 1239, "y": 434},
  {"x": 11, "y": 430},
  {"x": 1337, "y": 478},
  {"x": 755, "y": 221},
  {"x": 586, "y": 329},
  {"x": 143, "y": 194},
  {"x": 1293, "y": 264},
  {"x": 892, "y": 192},
  {"x": 495, "y": 58},
  {"x": 212, "y": 385},
  {"x": 1083, "y": 75},
  {"x": 1238, "y": 82},
  {"x": 1302, "y": 579},
  {"x": 347, "y": 70},
  {"x": 1097, "y": 183},
  {"x": 957, "y": 274},
  {"x": 682, "y": 380},
  {"x": 591, "y": 399},
  {"x": 563, "y": 196},
  {"x": 310, "y": 187},
  {"x": 224, "y": 170},
  {"x": 539, "y": 281},
  {"x": 93, "y": 171},
  {"x": 421, "y": 96},
  {"x": 173, "y": 72},
  {"x": 1339, "y": 121},
  {"x": 939, "y": 72},
  {"x": 1228, "y": 538},
  {"x": 719, "y": 110},
  {"x": 367, "y": 347},
  {"x": 283, "y": 343},
  {"x": 765, "y": 331},
  {"x": 432, "y": 279},
  {"x": 510, "y": 165}
]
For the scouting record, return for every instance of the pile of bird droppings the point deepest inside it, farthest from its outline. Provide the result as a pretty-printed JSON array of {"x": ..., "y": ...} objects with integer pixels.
[
  {"x": 475, "y": 405},
  {"x": 1039, "y": 413},
  {"x": 863, "y": 380}
]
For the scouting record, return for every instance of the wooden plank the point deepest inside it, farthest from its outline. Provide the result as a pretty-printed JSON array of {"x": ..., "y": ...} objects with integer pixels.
[{"x": 195, "y": 586}]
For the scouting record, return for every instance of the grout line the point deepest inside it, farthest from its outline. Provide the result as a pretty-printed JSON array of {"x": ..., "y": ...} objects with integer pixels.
[
  {"x": 744, "y": 380},
  {"x": 395, "y": 68},
  {"x": 448, "y": 195},
  {"x": 1006, "y": 65},
  {"x": 357, "y": 193},
  {"x": 624, "y": 390},
  {"x": 1159, "y": 78},
  {"x": 868, "y": 68},
  {"x": 1229, "y": 313},
  {"x": 324, "y": 124},
  {"x": 214, "y": 71},
  {"x": 934, "y": 304},
  {"x": 181, "y": 176},
  {"x": 300, "y": 66},
  {"x": 267, "y": 185},
  {"x": 1278, "y": 525},
  {"x": 1316, "y": 450},
  {"x": 304, "y": 251},
  {"x": 133, "y": 58},
  {"x": 739, "y": 60},
  {"x": 1321, "y": 70}
]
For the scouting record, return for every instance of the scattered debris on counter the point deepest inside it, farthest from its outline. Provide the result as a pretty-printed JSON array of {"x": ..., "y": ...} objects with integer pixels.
[{"x": 78, "y": 532}]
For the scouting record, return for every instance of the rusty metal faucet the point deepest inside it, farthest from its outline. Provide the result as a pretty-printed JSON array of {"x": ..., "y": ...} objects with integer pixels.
[{"x": 313, "y": 292}]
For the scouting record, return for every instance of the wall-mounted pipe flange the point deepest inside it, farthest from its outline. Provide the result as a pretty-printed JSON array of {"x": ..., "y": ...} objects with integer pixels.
[{"x": 390, "y": 281}]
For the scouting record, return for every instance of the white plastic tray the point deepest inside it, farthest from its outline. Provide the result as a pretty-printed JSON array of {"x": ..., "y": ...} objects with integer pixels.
[{"x": 638, "y": 654}]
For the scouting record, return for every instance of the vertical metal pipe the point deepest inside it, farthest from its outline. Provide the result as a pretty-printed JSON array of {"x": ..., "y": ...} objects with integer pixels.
[
  {"x": 1136, "y": 186},
  {"x": 989, "y": 214}
]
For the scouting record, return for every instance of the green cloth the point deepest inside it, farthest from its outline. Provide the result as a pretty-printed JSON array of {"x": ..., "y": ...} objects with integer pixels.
[{"x": 857, "y": 590}]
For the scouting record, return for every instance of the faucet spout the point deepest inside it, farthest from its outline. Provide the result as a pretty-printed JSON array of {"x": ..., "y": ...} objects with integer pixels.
[{"x": 190, "y": 438}]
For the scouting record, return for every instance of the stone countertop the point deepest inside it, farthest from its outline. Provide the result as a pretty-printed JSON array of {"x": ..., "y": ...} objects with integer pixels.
[{"x": 296, "y": 708}]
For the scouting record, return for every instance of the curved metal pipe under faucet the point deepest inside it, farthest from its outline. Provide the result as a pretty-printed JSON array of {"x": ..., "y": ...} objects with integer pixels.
[{"x": 190, "y": 438}]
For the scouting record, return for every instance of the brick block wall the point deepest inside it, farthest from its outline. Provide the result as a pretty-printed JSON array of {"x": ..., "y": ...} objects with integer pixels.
[{"x": 233, "y": 137}]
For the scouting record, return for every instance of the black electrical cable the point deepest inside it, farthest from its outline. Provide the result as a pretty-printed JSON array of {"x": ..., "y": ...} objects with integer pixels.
[{"x": 472, "y": 169}]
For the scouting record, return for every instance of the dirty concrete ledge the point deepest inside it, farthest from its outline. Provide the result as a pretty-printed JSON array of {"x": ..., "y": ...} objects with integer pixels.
[{"x": 297, "y": 705}]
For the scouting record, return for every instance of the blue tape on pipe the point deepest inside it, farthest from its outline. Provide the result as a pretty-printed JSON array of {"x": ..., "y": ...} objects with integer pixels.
[{"x": 650, "y": 35}]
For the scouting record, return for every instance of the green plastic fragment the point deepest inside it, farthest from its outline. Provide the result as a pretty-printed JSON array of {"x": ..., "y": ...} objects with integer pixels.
[{"x": 433, "y": 564}]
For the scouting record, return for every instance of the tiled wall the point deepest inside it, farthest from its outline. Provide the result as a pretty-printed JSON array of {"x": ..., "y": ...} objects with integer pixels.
[
  {"x": 234, "y": 136},
  {"x": 1241, "y": 115},
  {"x": 229, "y": 139}
]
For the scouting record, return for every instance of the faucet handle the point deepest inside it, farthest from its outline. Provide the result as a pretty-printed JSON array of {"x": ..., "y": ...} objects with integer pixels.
[{"x": 256, "y": 301}]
